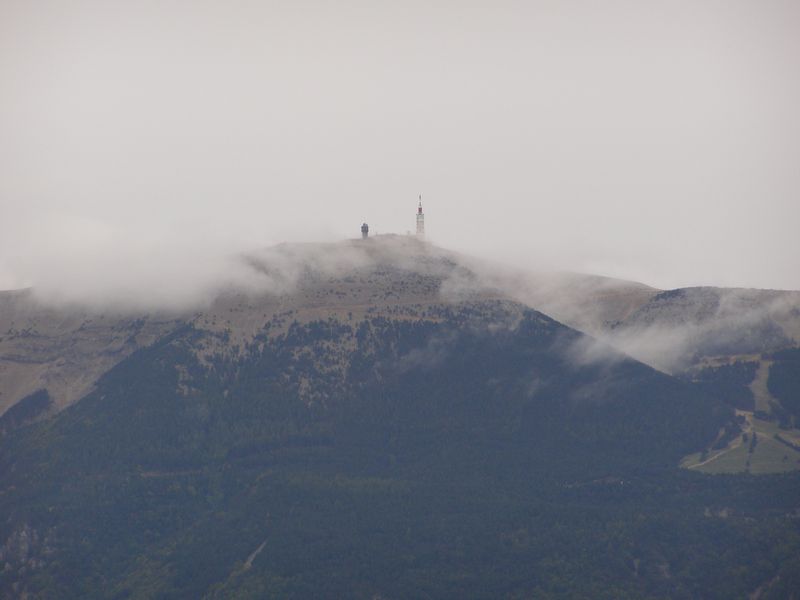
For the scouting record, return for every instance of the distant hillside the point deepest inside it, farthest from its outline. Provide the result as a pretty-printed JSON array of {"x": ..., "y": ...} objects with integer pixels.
[
  {"x": 680, "y": 327},
  {"x": 671, "y": 330}
]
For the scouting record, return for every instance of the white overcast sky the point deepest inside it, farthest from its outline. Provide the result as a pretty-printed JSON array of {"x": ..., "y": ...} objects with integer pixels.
[{"x": 652, "y": 140}]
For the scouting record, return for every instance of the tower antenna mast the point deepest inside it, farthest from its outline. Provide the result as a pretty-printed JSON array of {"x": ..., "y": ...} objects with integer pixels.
[{"x": 420, "y": 220}]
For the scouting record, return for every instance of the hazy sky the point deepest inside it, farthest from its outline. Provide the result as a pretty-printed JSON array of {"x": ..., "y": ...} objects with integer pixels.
[{"x": 658, "y": 141}]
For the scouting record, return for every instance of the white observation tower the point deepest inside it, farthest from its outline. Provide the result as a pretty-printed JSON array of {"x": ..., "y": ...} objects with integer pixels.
[{"x": 420, "y": 220}]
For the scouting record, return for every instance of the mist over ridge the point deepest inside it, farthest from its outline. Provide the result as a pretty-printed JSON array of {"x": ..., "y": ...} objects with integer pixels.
[{"x": 360, "y": 279}]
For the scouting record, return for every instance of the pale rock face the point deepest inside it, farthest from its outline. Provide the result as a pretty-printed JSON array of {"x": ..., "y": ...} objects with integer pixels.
[{"x": 63, "y": 350}]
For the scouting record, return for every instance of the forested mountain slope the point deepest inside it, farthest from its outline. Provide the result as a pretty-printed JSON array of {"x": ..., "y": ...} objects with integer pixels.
[
  {"x": 379, "y": 420},
  {"x": 466, "y": 452}
]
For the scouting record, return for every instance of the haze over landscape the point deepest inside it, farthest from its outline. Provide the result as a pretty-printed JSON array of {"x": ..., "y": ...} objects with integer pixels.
[
  {"x": 143, "y": 144},
  {"x": 576, "y": 374}
]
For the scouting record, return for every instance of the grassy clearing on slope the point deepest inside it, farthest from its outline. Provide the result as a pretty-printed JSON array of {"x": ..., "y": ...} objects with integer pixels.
[
  {"x": 763, "y": 398},
  {"x": 768, "y": 455}
]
